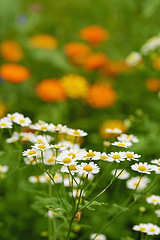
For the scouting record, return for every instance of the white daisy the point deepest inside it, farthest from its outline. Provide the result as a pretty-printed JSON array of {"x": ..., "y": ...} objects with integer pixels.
[
  {"x": 49, "y": 157},
  {"x": 142, "y": 227},
  {"x": 65, "y": 159},
  {"x": 142, "y": 167},
  {"x": 152, "y": 229},
  {"x": 134, "y": 181},
  {"x": 72, "y": 168},
  {"x": 122, "y": 144},
  {"x": 116, "y": 156},
  {"x": 3, "y": 169},
  {"x": 157, "y": 212},
  {"x": 43, "y": 139},
  {"x": 13, "y": 138},
  {"x": 113, "y": 131},
  {"x": 133, "y": 59},
  {"x": 68, "y": 181},
  {"x": 5, "y": 123},
  {"x": 23, "y": 121},
  {"x": 59, "y": 147},
  {"x": 42, "y": 147},
  {"x": 40, "y": 127},
  {"x": 124, "y": 137},
  {"x": 156, "y": 161},
  {"x": 77, "y": 132},
  {"x": 27, "y": 137},
  {"x": 99, "y": 236},
  {"x": 57, "y": 178},
  {"x": 30, "y": 160},
  {"x": 88, "y": 168},
  {"x": 124, "y": 174},
  {"x": 132, "y": 156},
  {"x": 58, "y": 128},
  {"x": 151, "y": 44},
  {"x": 31, "y": 153},
  {"x": 93, "y": 155},
  {"x": 153, "y": 199},
  {"x": 156, "y": 169},
  {"x": 104, "y": 157}
]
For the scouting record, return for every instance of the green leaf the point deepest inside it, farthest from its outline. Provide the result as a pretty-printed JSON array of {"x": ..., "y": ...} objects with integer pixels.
[
  {"x": 136, "y": 196},
  {"x": 124, "y": 209}
]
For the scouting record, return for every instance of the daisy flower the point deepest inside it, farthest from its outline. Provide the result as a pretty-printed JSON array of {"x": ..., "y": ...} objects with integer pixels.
[
  {"x": 88, "y": 168},
  {"x": 133, "y": 59},
  {"x": 122, "y": 144},
  {"x": 34, "y": 179},
  {"x": 156, "y": 161},
  {"x": 14, "y": 116},
  {"x": 68, "y": 181},
  {"x": 152, "y": 229},
  {"x": 49, "y": 157},
  {"x": 99, "y": 236},
  {"x": 142, "y": 167},
  {"x": 3, "y": 169},
  {"x": 58, "y": 128},
  {"x": 124, "y": 137},
  {"x": 116, "y": 156},
  {"x": 132, "y": 156},
  {"x": 42, "y": 147},
  {"x": 142, "y": 227},
  {"x": 103, "y": 156},
  {"x": 134, "y": 181},
  {"x": 23, "y": 121},
  {"x": 13, "y": 138},
  {"x": 40, "y": 127},
  {"x": 72, "y": 168},
  {"x": 124, "y": 174},
  {"x": 113, "y": 131},
  {"x": 5, "y": 123},
  {"x": 66, "y": 160},
  {"x": 154, "y": 199},
  {"x": 77, "y": 133},
  {"x": 30, "y": 160},
  {"x": 31, "y": 153},
  {"x": 27, "y": 136},
  {"x": 156, "y": 169},
  {"x": 43, "y": 139},
  {"x": 59, "y": 147},
  {"x": 157, "y": 212},
  {"x": 57, "y": 178},
  {"x": 91, "y": 155}
]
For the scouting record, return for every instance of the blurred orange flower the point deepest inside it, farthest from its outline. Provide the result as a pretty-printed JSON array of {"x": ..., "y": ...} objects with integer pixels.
[
  {"x": 95, "y": 61},
  {"x": 50, "y": 90},
  {"x": 112, "y": 123},
  {"x": 45, "y": 41},
  {"x": 156, "y": 63},
  {"x": 153, "y": 84},
  {"x": 115, "y": 68},
  {"x": 77, "y": 52},
  {"x": 14, "y": 73},
  {"x": 3, "y": 110},
  {"x": 94, "y": 34},
  {"x": 11, "y": 51},
  {"x": 75, "y": 86},
  {"x": 101, "y": 96}
]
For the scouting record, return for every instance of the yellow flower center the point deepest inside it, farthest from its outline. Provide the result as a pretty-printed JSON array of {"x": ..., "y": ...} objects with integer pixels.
[
  {"x": 129, "y": 155},
  {"x": 121, "y": 145},
  {"x": 39, "y": 140},
  {"x": 135, "y": 184},
  {"x": 103, "y": 157},
  {"x": 76, "y": 132},
  {"x": 41, "y": 146},
  {"x": 3, "y": 124},
  {"x": 142, "y": 228},
  {"x": 22, "y": 121},
  {"x": 31, "y": 152},
  {"x": 116, "y": 156},
  {"x": 142, "y": 168},
  {"x": 50, "y": 160},
  {"x": 67, "y": 160},
  {"x": 152, "y": 230},
  {"x": 58, "y": 147},
  {"x": 72, "y": 168},
  {"x": 159, "y": 161},
  {"x": 73, "y": 155},
  {"x": 44, "y": 128},
  {"x": 56, "y": 177},
  {"x": 31, "y": 160},
  {"x": 87, "y": 168},
  {"x": 90, "y": 154},
  {"x": 12, "y": 117},
  {"x": 57, "y": 128}
]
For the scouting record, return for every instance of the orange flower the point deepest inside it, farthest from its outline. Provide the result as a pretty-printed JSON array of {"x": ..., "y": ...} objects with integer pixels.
[
  {"x": 94, "y": 34},
  {"x": 11, "y": 51},
  {"x": 156, "y": 63},
  {"x": 153, "y": 84},
  {"x": 115, "y": 68},
  {"x": 77, "y": 52},
  {"x": 14, "y": 73},
  {"x": 45, "y": 41},
  {"x": 95, "y": 61},
  {"x": 101, "y": 96},
  {"x": 112, "y": 123},
  {"x": 50, "y": 90}
]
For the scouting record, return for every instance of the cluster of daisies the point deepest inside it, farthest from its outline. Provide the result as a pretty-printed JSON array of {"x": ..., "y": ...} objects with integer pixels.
[{"x": 73, "y": 164}]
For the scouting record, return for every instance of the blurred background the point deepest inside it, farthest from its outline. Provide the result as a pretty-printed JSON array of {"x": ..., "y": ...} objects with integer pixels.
[{"x": 65, "y": 62}]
